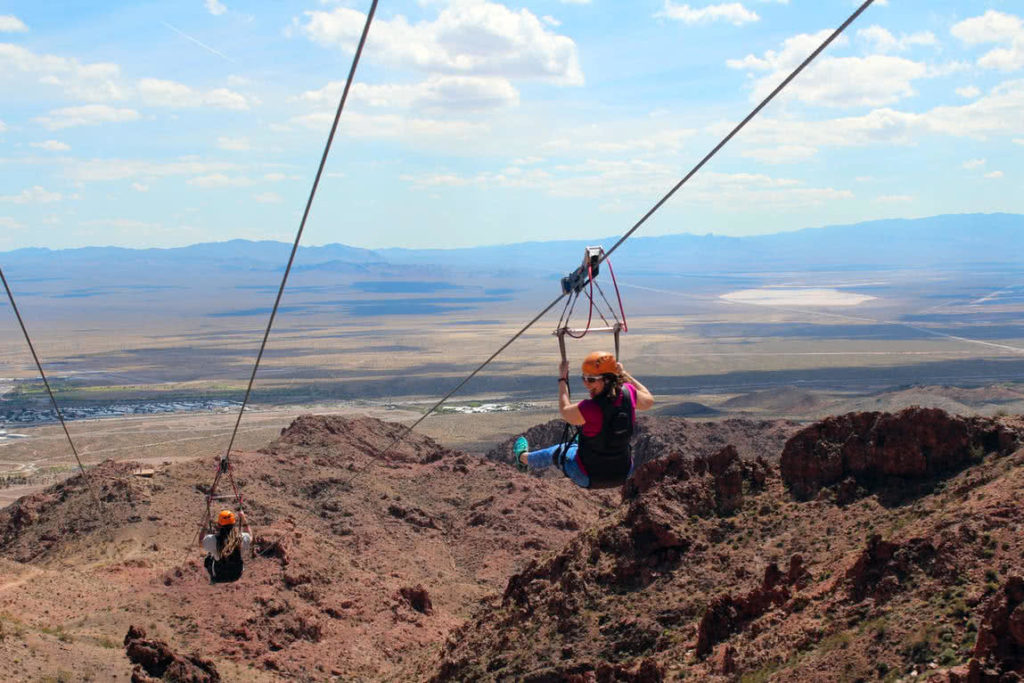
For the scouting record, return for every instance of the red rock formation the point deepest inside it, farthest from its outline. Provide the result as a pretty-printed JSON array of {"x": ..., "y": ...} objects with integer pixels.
[
  {"x": 915, "y": 443},
  {"x": 154, "y": 661},
  {"x": 367, "y": 435},
  {"x": 883, "y": 566},
  {"x": 1001, "y": 634},
  {"x": 727, "y": 615},
  {"x": 38, "y": 525},
  {"x": 417, "y": 598},
  {"x": 707, "y": 484}
]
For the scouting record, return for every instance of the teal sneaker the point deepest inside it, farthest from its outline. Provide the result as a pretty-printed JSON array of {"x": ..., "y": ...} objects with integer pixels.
[{"x": 518, "y": 448}]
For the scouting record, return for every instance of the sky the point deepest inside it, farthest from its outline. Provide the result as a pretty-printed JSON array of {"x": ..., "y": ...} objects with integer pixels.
[{"x": 477, "y": 122}]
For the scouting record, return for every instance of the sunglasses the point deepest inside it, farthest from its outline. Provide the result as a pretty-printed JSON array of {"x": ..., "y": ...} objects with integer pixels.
[{"x": 590, "y": 379}]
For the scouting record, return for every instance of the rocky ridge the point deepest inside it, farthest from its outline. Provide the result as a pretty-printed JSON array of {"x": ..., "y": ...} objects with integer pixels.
[
  {"x": 712, "y": 570},
  {"x": 422, "y": 563}
]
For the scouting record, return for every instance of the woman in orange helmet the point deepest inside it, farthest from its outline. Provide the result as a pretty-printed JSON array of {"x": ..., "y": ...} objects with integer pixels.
[
  {"x": 601, "y": 456},
  {"x": 226, "y": 548}
]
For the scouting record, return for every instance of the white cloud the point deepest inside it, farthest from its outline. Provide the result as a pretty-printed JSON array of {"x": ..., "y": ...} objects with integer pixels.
[
  {"x": 161, "y": 93},
  {"x": 1005, "y": 59},
  {"x": 274, "y": 177},
  {"x": 215, "y": 7},
  {"x": 234, "y": 144},
  {"x": 894, "y": 199},
  {"x": 969, "y": 92},
  {"x": 470, "y": 37},
  {"x": 391, "y": 126},
  {"x": 8, "y": 223},
  {"x": 783, "y": 154},
  {"x": 33, "y": 195},
  {"x": 267, "y": 198},
  {"x": 96, "y": 82},
  {"x": 615, "y": 141},
  {"x": 3, "y": 126},
  {"x": 551, "y": 21},
  {"x": 217, "y": 180},
  {"x": 879, "y": 127},
  {"x": 1002, "y": 110},
  {"x": 599, "y": 179},
  {"x": 998, "y": 113},
  {"x": 139, "y": 187},
  {"x": 994, "y": 174},
  {"x": 872, "y": 81},
  {"x": 437, "y": 93},
  {"x": 973, "y": 163},
  {"x": 105, "y": 170},
  {"x": 102, "y": 82},
  {"x": 732, "y": 12},
  {"x": 991, "y": 27},
  {"x": 881, "y": 40},
  {"x": 52, "y": 145},
  {"x": 995, "y": 27},
  {"x": 124, "y": 224},
  {"x": 86, "y": 115},
  {"x": 947, "y": 69},
  {"x": 1019, "y": 141},
  {"x": 11, "y": 24}
]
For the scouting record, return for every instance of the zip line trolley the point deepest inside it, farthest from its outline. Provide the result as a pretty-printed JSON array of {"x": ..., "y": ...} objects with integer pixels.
[{"x": 583, "y": 281}]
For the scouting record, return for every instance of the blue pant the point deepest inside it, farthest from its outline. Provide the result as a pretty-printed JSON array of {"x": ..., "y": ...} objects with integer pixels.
[{"x": 538, "y": 460}]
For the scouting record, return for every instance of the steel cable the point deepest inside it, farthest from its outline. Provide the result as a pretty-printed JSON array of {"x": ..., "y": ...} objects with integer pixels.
[
  {"x": 305, "y": 216},
  {"x": 298, "y": 238},
  {"x": 757, "y": 110},
  {"x": 49, "y": 391},
  {"x": 835, "y": 34}
]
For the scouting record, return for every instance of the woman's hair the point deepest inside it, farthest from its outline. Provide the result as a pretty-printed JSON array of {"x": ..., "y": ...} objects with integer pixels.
[
  {"x": 612, "y": 385},
  {"x": 228, "y": 539}
]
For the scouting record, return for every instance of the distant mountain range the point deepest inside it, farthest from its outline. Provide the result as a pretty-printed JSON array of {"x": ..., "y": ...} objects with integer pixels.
[
  {"x": 948, "y": 241},
  {"x": 963, "y": 239}
]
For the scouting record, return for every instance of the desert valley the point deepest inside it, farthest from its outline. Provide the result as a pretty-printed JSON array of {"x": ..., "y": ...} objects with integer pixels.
[{"x": 828, "y": 486}]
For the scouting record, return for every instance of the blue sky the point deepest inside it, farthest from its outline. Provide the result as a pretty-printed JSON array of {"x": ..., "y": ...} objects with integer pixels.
[{"x": 157, "y": 124}]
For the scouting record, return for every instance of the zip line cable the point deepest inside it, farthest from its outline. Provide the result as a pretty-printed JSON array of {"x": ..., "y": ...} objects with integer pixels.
[
  {"x": 757, "y": 110},
  {"x": 49, "y": 391},
  {"x": 835, "y": 34},
  {"x": 302, "y": 227}
]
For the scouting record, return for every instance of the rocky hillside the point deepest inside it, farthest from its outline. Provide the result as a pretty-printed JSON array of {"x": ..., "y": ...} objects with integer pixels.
[
  {"x": 864, "y": 547},
  {"x": 714, "y": 570},
  {"x": 370, "y": 560}
]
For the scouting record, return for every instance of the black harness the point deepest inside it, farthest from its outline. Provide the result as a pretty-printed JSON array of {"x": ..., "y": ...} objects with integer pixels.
[
  {"x": 606, "y": 456},
  {"x": 228, "y": 568}
]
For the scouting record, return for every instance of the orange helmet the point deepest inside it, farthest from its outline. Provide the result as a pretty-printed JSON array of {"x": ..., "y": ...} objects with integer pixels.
[
  {"x": 226, "y": 518},
  {"x": 599, "y": 363}
]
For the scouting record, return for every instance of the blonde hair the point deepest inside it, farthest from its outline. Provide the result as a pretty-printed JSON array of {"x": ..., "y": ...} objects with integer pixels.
[{"x": 228, "y": 540}]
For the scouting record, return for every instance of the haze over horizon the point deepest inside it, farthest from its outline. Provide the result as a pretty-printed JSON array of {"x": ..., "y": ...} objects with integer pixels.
[{"x": 476, "y": 122}]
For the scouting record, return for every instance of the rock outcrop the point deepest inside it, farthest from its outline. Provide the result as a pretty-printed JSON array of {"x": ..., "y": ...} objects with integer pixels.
[
  {"x": 870, "y": 449},
  {"x": 154, "y": 660},
  {"x": 40, "y": 525},
  {"x": 1001, "y": 634},
  {"x": 882, "y": 568},
  {"x": 726, "y": 615}
]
